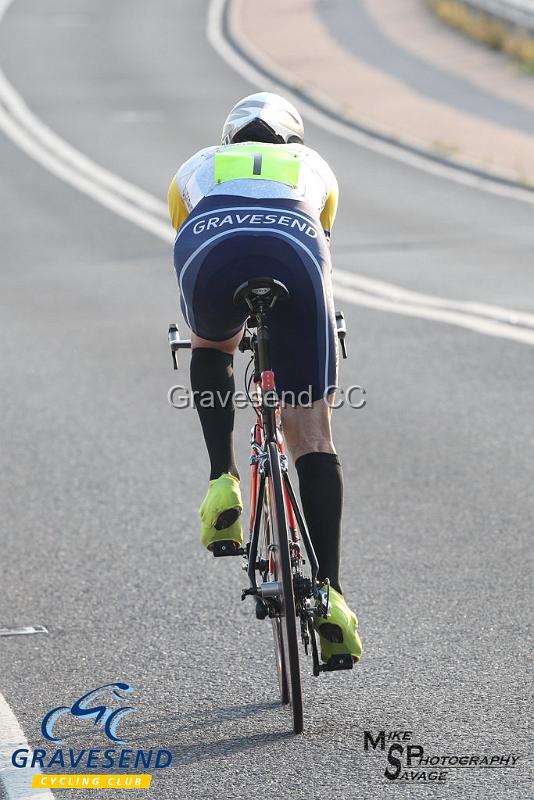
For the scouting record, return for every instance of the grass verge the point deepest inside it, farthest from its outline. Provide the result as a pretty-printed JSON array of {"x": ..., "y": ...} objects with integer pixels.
[{"x": 515, "y": 42}]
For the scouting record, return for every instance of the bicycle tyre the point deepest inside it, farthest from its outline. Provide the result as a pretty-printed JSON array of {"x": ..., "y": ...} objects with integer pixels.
[
  {"x": 267, "y": 540},
  {"x": 280, "y": 661},
  {"x": 283, "y": 573}
]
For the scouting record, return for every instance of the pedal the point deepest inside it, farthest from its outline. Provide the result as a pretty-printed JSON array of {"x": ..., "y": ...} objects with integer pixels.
[
  {"x": 340, "y": 661},
  {"x": 261, "y": 609},
  {"x": 226, "y": 548}
]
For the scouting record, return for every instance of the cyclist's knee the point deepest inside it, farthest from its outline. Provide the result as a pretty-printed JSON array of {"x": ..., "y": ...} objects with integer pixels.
[
  {"x": 226, "y": 346},
  {"x": 308, "y": 430}
]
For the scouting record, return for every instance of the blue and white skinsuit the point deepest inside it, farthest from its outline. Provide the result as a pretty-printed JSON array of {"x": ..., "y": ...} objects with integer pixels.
[{"x": 249, "y": 210}]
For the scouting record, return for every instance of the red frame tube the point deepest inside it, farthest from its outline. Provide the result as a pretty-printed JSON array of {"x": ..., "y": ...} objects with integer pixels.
[{"x": 268, "y": 384}]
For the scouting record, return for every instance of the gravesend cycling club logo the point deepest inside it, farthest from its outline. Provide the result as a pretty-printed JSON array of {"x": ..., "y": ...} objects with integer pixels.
[
  {"x": 104, "y": 716},
  {"x": 409, "y": 762},
  {"x": 104, "y": 708}
]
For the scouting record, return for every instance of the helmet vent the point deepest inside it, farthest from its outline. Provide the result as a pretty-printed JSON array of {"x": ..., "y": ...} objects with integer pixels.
[{"x": 257, "y": 131}]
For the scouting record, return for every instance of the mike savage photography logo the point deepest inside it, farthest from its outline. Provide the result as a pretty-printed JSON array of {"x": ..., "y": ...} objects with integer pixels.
[
  {"x": 105, "y": 708},
  {"x": 407, "y": 761},
  {"x": 180, "y": 397}
]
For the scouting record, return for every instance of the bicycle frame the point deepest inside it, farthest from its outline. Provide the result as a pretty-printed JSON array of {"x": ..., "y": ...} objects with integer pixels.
[
  {"x": 277, "y": 529},
  {"x": 267, "y": 429}
]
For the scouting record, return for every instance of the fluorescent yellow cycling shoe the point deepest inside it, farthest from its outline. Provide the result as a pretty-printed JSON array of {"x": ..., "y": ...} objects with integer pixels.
[
  {"x": 220, "y": 512},
  {"x": 338, "y": 631}
]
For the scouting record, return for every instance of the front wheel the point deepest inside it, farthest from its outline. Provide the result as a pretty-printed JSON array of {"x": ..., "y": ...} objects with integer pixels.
[{"x": 285, "y": 622}]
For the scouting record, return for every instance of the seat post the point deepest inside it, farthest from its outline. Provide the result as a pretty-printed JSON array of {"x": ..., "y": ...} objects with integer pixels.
[
  {"x": 269, "y": 402},
  {"x": 259, "y": 296},
  {"x": 263, "y": 338}
]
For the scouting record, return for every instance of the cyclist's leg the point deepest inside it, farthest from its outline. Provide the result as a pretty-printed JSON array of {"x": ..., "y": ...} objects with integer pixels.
[
  {"x": 201, "y": 268},
  {"x": 304, "y": 351},
  {"x": 308, "y": 430},
  {"x": 213, "y": 385},
  {"x": 308, "y": 435},
  {"x": 227, "y": 346},
  {"x": 212, "y": 381}
]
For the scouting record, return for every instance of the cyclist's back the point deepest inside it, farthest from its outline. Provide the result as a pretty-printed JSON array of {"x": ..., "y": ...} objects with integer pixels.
[{"x": 255, "y": 170}]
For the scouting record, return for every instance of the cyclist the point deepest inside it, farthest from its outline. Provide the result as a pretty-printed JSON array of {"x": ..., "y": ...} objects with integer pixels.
[{"x": 263, "y": 204}]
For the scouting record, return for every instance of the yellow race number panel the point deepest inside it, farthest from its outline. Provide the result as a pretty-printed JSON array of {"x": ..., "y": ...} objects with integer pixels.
[{"x": 255, "y": 161}]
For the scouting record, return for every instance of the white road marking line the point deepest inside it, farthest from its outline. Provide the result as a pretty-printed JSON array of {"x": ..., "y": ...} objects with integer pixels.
[
  {"x": 16, "y": 782},
  {"x": 390, "y": 291},
  {"x": 127, "y": 201},
  {"x": 20, "y": 113},
  {"x": 393, "y": 295},
  {"x": 146, "y": 221},
  {"x": 478, "y": 324},
  {"x": 281, "y": 82},
  {"x": 84, "y": 184},
  {"x": 27, "y": 630}
]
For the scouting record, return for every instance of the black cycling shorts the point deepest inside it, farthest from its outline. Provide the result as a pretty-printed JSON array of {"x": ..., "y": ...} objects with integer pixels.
[{"x": 227, "y": 240}]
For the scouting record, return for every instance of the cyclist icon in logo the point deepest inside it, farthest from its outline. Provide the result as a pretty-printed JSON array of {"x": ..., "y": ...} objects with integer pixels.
[{"x": 103, "y": 715}]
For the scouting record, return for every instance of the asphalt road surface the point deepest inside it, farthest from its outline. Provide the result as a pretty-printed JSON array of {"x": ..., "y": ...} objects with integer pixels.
[{"x": 101, "y": 478}]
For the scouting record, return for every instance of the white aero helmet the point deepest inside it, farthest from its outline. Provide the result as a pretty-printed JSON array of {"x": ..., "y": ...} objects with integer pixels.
[{"x": 263, "y": 117}]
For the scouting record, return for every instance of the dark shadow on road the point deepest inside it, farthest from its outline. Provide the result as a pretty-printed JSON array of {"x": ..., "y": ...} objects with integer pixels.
[
  {"x": 203, "y": 718},
  {"x": 202, "y": 751},
  {"x": 164, "y": 731}
]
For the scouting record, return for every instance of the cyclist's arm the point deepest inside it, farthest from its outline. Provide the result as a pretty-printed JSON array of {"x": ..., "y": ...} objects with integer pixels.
[
  {"x": 180, "y": 204},
  {"x": 177, "y": 208},
  {"x": 328, "y": 214}
]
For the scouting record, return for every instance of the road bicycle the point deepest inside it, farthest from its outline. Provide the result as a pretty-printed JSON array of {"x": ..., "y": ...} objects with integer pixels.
[{"x": 280, "y": 561}]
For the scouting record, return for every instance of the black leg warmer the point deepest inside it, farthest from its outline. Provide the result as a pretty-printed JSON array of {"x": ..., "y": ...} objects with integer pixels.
[
  {"x": 321, "y": 494},
  {"x": 213, "y": 385}
]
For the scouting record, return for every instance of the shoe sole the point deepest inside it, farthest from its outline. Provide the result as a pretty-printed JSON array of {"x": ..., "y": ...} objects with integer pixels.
[
  {"x": 333, "y": 633},
  {"x": 226, "y": 519}
]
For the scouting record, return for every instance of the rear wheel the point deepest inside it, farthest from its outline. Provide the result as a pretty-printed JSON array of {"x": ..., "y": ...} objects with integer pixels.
[
  {"x": 266, "y": 554},
  {"x": 285, "y": 623},
  {"x": 280, "y": 661}
]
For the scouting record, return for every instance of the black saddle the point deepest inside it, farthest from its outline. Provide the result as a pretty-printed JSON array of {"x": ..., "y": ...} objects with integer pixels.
[{"x": 260, "y": 291}]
